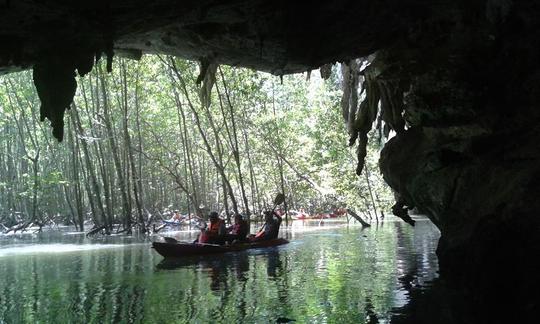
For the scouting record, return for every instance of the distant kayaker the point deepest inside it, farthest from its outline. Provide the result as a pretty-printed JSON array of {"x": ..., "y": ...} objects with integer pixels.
[
  {"x": 270, "y": 229},
  {"x": 216, "y": 230},
  {"x": 238, "y": 231}
]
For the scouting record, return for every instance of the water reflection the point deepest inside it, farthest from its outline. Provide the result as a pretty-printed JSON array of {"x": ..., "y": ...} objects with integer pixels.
[
  {"x": 14, "y": 250},
  {"x": 337, "y": 274}
]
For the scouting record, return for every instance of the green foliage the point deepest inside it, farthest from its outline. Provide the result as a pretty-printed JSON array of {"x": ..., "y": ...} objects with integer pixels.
[{"x": 294, "y": 129}]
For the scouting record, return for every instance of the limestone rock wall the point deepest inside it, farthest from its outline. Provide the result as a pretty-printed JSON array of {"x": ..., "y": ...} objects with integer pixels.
[{"x": 470, "y": 155}]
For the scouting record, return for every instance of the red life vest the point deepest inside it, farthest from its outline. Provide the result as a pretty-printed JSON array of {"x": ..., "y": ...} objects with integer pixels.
[
  {"x": 203, "y": 237},
  {"x": 213, "y": 230}
]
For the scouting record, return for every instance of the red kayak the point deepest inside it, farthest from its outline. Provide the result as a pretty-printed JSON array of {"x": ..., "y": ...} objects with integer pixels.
[{"x": 181, "y": 249}]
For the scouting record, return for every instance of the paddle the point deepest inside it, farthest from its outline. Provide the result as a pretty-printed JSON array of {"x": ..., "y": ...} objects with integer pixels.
[{"x": 280, "y": 199}]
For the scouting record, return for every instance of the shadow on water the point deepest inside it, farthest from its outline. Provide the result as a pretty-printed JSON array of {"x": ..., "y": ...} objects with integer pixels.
[
  {"x": 220, "y": 268},
  {"x": 327, "y": 273},
  {"x": 443, "y": 303}
]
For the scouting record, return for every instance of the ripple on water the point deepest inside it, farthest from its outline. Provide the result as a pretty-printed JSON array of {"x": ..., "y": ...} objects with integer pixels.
[{"x": 326, "y": 274}]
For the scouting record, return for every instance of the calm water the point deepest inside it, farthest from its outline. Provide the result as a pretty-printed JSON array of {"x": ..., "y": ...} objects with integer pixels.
[{"x": 327, "y": 274}]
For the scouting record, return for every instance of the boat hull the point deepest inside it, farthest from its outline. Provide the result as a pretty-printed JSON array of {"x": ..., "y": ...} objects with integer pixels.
[{"x": 178, "y": 250}]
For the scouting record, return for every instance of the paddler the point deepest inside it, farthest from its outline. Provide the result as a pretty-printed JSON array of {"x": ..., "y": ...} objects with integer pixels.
[
  {"x": 270, "y": 229},
  {"x": 238, "y": 231},
  {"x": 216, "y": 230}
]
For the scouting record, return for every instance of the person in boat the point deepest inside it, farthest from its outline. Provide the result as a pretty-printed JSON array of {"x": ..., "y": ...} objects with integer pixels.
[
  {"x": 303, "y": 213},
  {"x": 270, "y": 229},
  {"x": 238, "y": 231},
  {"x": 215, "y": 233},
  {"x": 175, "y": 218}
]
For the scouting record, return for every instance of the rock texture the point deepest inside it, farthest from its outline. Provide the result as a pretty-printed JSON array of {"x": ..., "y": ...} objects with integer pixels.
[
  {"x": 458, "y": 82},
  {"x": 276, "y": 36},
  {"x": 470, "y": 157}
]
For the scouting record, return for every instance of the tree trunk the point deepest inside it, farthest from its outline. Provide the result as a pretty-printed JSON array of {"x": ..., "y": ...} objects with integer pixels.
[
  {"x": 76, "y": 184},
  {"x": 209, "y": 150},
  {"x": 366, "y": 173},
  {"x": 115, "y": 154},
  {"x": 101, "y": 219},
  {"x": 129, "y": 150},
  {"x": 187, "y": 152},
  {"x": 234, "y": 140}
]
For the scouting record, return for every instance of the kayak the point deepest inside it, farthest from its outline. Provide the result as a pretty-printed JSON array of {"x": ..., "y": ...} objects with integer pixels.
[
  {"x": 182, "y": 249},
  {"x": 172, "y": 223}
]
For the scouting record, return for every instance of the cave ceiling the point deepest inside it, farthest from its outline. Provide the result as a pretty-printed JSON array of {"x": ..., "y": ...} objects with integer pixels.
[
  {"x": 58, "y": 38},
  {"x": 276, "y": 36}
]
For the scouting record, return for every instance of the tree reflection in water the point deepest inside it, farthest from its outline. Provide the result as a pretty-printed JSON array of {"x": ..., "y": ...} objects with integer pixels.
[{"x": 324, "y": 275}]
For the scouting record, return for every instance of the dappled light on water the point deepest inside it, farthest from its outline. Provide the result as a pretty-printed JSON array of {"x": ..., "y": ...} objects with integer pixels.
[{"x": 327, "y": 273}]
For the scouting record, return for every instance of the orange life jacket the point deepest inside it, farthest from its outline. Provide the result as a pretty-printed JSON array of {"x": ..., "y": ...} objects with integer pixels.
[{"x": 213, "y": 230}]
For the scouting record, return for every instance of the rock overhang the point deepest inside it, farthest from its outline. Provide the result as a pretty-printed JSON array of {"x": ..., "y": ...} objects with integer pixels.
[
  {"x": 275, "y": 36},
  {"x": 279, "y": 37}
]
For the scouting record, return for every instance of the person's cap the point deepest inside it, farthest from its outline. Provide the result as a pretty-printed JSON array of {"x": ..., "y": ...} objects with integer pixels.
[{"x": 214, "y": 215}]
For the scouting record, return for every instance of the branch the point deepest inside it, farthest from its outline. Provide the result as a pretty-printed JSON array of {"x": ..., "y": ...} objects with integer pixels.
[
  {"x": 311, "y": 182},
  {"x": 357, "y": 217}
]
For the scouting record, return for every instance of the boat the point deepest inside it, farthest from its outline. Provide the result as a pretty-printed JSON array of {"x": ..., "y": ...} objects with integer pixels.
[
  {"x": 295, "y": 215},
  {"x": 183, "y": 249},
  {"x": 172, "y": 223}
]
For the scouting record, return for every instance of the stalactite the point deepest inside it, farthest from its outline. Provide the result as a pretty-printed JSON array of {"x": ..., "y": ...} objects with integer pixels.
[
  {"x": 55, "y": 84},
  {"x": 208, "y": 81},
  {"x": 54, "y": 79},
  {"x": 391, "y": 105},
  {"x": 109, "y": 52},
  {"x": 349, "y": 100},
  {"x": 346, "y": 88},
  {"x": 85, "y": 63},
  {"x": 379, "y": 93},
  {"x": 364, "y": 121},
  {"x": 326, "y": 71}
]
